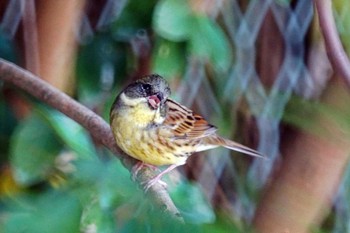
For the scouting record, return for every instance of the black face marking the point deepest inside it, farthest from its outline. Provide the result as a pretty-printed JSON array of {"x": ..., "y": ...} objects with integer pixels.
[
  {"x": 146, "y": 89},
  {"x": 148, "y": 86},
  {"x": 160, "y": 96},
  {"x": 151, "y": 85}
]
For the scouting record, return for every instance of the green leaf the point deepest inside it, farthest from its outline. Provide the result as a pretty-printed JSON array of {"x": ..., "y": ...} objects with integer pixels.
[
  {"x": 34, "y": 147},
  {"x": 168, "y": 59},
  {"x": 136, "y": 15},
  {"x": 95, "y": 218},
  {"x": 210, "y": 43},
  {"x": 6, "y": 130},
  {"x": 71, "y": 133},
  {"x": 109, "y": 180},
  {"x": 115, "y": 185},
  {"x": 173, "y": 19},
  {"x": 192, "y": 204},
  {"x": 97, "y": 75},
  {"x": 342, "y": 17},
  {"x": 224, "y": 223},
  {"x": 49, "y": 212},
  {"x": 112, "y": 188},
  {"x": 156, "y": 221}
]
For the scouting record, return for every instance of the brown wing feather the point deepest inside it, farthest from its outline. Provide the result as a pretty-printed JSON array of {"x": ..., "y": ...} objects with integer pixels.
[
  {"x": 220, "y": 141},
  {"x": 186, "y": 124}
]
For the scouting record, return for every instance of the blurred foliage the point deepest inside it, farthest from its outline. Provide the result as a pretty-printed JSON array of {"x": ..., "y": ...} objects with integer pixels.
[
  {"x": 342, "y": 15},
  {"x": 6, "y": 115},
  {"x": 168, "y": 58},
  {"x": 301, "y": 114},
  {"x": 105, "y": 52},
  {"x": 55, "y": 178},
  {"x": 65, "y": 181},
  {"x": 7, "y": 48},
  {"x": 176, "y": 21},
  {"x": 33, "y": 150},
  {"x": 44, "y": 212}
]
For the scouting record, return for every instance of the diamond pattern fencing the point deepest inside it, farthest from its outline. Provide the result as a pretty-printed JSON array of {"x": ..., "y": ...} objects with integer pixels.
[{"x": 241, "y": 81}]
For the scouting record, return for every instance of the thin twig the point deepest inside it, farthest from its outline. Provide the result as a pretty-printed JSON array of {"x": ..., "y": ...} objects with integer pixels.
[
  {"x": 337, "y": 55},
  {"x": 97, "y": 127}
]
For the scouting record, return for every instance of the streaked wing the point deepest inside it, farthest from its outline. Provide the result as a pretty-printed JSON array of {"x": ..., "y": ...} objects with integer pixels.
[{"x": 186, "y": 124}]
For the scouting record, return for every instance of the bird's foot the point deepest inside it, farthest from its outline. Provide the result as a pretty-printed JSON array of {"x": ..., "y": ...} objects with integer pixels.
[
  {"x": 148, "y": 184},
  {"x": 138, "y": 166},
  {"x": 157, "y": 178}
]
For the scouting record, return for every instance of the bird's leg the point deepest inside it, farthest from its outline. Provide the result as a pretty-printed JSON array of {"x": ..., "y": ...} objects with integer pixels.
[
  {"x": 138, "y": 166},
  {"x": 158, "y": 177}
]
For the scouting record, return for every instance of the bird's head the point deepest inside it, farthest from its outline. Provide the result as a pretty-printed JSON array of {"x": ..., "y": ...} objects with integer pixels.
[{"x": 153, "y": 89}]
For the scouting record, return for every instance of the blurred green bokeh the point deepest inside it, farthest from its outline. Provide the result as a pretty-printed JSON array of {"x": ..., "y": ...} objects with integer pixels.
[{"x": 55, "y": 178}]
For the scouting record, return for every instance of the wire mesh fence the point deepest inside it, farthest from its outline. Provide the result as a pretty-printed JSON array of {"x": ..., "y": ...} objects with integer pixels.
[{"x": 274, "y": 52}]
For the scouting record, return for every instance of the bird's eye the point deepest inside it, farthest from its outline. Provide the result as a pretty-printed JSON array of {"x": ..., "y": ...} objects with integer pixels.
[{"x": 146, "y": 88}]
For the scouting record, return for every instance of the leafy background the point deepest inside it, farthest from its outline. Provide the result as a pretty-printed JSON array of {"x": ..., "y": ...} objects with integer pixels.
[{"x": 55, "y": 178}]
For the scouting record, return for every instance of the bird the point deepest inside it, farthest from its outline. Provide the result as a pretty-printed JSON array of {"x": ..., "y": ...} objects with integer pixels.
[{"x": 156, "y": 130}]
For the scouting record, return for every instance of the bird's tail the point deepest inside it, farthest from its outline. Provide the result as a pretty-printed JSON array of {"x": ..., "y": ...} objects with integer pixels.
[{"x": 220, "y": 141}]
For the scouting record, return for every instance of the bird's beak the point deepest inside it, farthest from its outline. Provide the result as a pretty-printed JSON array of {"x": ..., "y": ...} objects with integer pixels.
[{"x": 154, "y": 100}]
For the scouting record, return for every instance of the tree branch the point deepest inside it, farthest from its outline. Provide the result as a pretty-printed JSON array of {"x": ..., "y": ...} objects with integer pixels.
[
  {"x": 97, "y": 127},
  {"x": 335, "y": 50}
]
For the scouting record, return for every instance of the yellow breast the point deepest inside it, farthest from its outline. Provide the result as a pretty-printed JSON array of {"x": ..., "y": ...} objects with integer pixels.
[{"x": 133, "y": 134}]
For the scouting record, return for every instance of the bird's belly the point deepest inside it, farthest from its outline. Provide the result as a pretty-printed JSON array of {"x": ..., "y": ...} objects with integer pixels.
[
  {"x": 140, "y": 146},
  {"x": 143, "y": 144}
]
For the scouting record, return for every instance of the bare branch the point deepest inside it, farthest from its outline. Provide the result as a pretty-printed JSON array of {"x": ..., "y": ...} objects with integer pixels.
[
  {"x": 335, "y": 50},
  {"x": 97, "y": 127}
]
